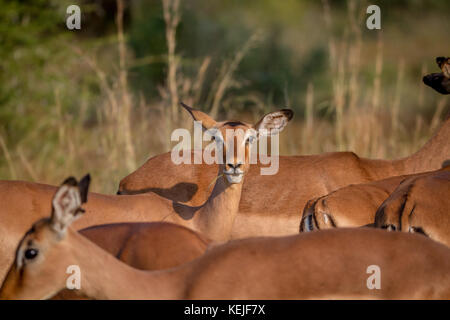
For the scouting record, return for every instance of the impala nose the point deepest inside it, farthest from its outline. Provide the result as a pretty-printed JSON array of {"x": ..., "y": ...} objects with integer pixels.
[{"x": 234, "y": 166}]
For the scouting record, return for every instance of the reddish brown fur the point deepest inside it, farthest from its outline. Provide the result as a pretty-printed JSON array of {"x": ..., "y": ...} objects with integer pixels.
[
  {"x": 148, "y": 246},
  {"x": 328, "y": 264},
  {"x": 145, "y": 246},
  {"x": 419, "y": 204},
  {"x": 25, "y": 202},
  {"x": 270, "y": 204},
  {"x": 351, "y": 206},
  {"x": 269, "y": 207}
]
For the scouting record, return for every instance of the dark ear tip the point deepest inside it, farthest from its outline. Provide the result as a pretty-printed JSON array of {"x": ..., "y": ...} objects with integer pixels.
[
  {"x": 288, "y": 113},
  {"x": 185, "y": 105},
  {"x": 440, "y": 59},
  {"x": 70, "y": 181},
  {"x": 87, "y": 178},
  {"x": 189, "y": 109},
  {"x": 84, "y": 187}
]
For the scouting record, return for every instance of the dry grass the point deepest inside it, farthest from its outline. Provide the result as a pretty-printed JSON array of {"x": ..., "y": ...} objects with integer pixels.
[{"x": 128, "y": 129}]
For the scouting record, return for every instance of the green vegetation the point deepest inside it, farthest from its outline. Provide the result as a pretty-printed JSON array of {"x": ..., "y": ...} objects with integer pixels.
[{"x": 91, "y": 101}]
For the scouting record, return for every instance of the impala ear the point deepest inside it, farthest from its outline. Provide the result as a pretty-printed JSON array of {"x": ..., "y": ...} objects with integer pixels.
[
  {"x": 438, "y": 81},
  {"x": 66, "y": 203},
  {"x": 83, "y": 186},
  {"x": 274, "y": 122},
  {"x": 197, "y": 115},
  {"x": 440, "y": 61}
]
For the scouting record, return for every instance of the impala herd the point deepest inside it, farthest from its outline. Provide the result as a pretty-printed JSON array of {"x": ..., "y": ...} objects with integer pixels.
[{"x": 223, "y": 231}]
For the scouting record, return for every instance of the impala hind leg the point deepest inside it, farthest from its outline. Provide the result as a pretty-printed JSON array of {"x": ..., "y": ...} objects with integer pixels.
[{"x": 388, "y": 215}]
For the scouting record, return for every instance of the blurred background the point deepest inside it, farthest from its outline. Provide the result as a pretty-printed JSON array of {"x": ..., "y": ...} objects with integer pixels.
[{"x": 104, "y": 99}]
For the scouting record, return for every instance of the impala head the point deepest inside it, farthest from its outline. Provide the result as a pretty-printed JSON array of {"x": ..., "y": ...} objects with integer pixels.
[
  {"x": 39, "y": 267},
  {"x": 440, "y": 81},
  {"x": 236, "y": 138}
]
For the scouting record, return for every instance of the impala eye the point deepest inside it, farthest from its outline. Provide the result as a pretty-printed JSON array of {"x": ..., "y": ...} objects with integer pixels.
[{"x": 30, "y": 254}]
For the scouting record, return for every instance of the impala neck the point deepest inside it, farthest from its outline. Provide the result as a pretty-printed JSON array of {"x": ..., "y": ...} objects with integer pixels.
[
  {"x": 105, "y": 277},
  {"x": 434, "y": 152},
  {"x": 216, "y": 217}
]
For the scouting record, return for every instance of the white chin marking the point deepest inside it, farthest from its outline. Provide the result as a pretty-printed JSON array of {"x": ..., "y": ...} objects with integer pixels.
[{"x": 234, "y": 178}]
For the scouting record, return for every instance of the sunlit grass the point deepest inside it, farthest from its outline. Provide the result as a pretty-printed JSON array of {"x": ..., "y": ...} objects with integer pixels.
[{"x": 82, "y": 115}]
